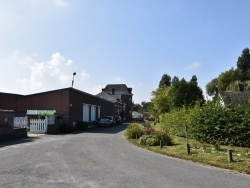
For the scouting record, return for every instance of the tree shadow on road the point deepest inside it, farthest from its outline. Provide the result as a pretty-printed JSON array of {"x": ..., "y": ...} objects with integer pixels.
[
  {"x": 15, "y": 141},
  {"x": 108, "y": 130}
]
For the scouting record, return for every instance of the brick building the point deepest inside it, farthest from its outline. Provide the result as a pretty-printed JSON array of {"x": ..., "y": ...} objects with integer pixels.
[
  {"x": 70, "y": 104},
  {"x": 121, "y": 95}
]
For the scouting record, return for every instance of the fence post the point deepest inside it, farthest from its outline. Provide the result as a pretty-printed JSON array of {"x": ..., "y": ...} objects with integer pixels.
[
  {"x": 229, "y": 156},
  {"x": 46, "y": 124},
  {"x": 188, "y": 149}
]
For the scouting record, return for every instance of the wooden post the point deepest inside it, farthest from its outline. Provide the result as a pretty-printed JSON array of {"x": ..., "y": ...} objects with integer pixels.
[
  {"x": 188, "y": 146},
  {"x": 188, "y": 149},
  {"x": 161, "y": 143},
  {"x": 229, "y": 156},
  {"x": 136, "y": 136}
]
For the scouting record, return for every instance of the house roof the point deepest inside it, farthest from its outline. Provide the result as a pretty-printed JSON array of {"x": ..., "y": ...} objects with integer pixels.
[
  {"x": 236, "y": 97},
  {"x": 108, "y": 96},
  {"x": 118, "y": 89}
]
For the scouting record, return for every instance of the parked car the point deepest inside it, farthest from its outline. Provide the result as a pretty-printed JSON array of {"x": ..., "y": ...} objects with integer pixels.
[
  {"x": 111, "y": 119},
  {"x": 118, "y": 120},
  {"x": 107, "y": 121},
  {"x": 103, "y": 122}
]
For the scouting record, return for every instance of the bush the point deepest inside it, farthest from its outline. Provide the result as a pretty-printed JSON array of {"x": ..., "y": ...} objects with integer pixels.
[
  {"x": 154, "y": 140},
  {"x": 150, "y": 118},
  {"x": 82, "y": 125},
  {"x": 132, "y": 130},
  {"x": 143, "y": 139},
  {"x": 67, "y": 128},
  {"x": 228, "y": 124}
]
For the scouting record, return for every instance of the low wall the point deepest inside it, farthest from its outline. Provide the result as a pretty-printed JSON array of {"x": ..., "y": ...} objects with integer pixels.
[
  {"x": 7, "y": 132},
  {"x": 53, "y": 129}
]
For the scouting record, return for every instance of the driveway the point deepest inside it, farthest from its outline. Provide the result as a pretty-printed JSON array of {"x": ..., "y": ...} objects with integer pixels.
[{"x": 101, "y": 157}]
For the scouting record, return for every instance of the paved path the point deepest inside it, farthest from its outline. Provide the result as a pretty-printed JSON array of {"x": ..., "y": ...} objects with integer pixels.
[{"x": 102, "y": 158}]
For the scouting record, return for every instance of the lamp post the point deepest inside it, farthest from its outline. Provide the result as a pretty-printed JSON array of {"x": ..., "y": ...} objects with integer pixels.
[{"x": 73, "y": 79}]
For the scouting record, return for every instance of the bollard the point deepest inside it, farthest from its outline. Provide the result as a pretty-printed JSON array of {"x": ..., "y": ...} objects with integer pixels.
[
  {"x": 229, "y": 156},
  {"x": 161, "y": 143},
  {"x": 136, "y": 136},
  {"x": 188, "y": 149}
]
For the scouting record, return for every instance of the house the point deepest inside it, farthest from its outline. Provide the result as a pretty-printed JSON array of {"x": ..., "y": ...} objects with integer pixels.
[
  {"x": 121, "y": 95},
  {"x": 242, "y": 98}
]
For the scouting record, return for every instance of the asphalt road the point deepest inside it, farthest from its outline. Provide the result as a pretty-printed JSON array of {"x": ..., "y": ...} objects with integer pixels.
[{"x": 102, "y": 158}]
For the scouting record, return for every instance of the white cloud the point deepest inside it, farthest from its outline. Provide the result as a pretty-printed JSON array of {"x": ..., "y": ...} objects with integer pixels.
[
  {"x": 193, "y": 66},
  {"x": 96, "y": 89},
  {"x": 60, "y": 3},
  {"x": 29, "y": 76},
  {"x": 84, "y": 75}
]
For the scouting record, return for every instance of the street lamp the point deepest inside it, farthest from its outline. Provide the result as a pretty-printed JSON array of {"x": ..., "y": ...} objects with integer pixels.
[{"x": 73, "y": 79}]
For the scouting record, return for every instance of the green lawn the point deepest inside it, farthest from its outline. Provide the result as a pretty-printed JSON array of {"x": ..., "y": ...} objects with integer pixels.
[{"x": 204, "y": 154}]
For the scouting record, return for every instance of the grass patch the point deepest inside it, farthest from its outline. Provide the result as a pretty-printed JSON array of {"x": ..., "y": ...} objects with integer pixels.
[{"x": 204, "y": 153}]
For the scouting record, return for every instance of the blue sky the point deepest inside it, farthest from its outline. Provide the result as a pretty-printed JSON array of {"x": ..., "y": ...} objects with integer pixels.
[{"x": 131, "y": 42}]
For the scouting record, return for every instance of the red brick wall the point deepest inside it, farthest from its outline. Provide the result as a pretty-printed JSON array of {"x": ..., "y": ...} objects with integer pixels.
[{"x": 127, "y": 99}]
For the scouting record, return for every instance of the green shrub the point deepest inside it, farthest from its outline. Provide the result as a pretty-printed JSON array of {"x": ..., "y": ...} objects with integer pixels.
[
  {"x": 154, "y": 140},
  {"x": 148, "y": 129},
  {"x": 143, "y": 139},
  {"x": 82, "y": 125},
  {"x": 164, "y": 137},
  {"x": 132, "y": 130}
]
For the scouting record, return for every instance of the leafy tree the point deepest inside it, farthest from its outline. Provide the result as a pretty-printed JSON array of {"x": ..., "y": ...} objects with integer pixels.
[
  {"x": 194, "y": 80},
  {"x": 212, "y": 87},
  {"x": 234, "y": 86},
  {"x": 165, "y": 80},
  {"x": 136, "y": 107},
  {"x": 243, "y": 64},
  {"x": 226, "y": 78},
  {"x": 186, "y": 93},
  {"x": 233, "y": 79},
  {"x": 175, "y": 80},
  {"x": 161, "y": 101},
  {"x": 145, "y": 106}
]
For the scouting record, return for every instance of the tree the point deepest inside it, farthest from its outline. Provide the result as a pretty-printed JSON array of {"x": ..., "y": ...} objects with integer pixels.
[
  {"x": 212, "y": 87},
  {"x": 243, "y": 64},
  {"x": 186, "y": 93},
  {"x": 136, "y": 107},
  {"x": 161, "y": 102},
  {"x": 165, "y": 81},
  {"x": 194, "y": 80},
  {"x": 145, "y": 106},
  {"x": 175, "y": 80},
  {"x": 226, "y": 78}
]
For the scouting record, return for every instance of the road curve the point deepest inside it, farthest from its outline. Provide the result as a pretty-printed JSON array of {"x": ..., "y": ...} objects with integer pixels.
[{"x": 101, "y": 157}]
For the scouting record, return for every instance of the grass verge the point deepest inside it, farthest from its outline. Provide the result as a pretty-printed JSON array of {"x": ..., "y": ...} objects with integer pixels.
[{"x": 204, "y": 153}]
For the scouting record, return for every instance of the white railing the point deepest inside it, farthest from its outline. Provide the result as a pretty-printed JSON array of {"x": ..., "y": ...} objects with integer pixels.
[
  {"x": 21, "y": 122},
  {"x": 41, "y": 125}
]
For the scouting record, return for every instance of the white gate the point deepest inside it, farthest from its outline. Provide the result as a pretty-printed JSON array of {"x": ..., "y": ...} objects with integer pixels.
[{"x": 41, "y": 125}]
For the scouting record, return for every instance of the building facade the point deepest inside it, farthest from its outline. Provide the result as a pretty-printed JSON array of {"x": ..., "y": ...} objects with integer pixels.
[
  {"x": 73, "y": 105},
  {"x": 121, "y": 95}
]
